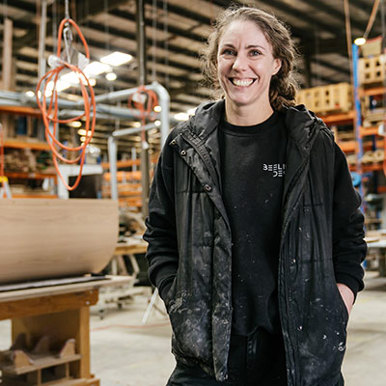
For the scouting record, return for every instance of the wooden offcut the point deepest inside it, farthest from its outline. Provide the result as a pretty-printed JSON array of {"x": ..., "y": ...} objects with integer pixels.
[
  {"x": 372, "y": 71},
  {"x": 44, "y": 238},
  {"x": 327, "y": 99}
]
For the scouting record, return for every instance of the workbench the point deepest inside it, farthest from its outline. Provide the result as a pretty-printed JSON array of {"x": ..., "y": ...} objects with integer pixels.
[
  {"x": 59, "y": 311},
  {"x": 380, "y": 246},
  {"x": 130, "y": 246}
]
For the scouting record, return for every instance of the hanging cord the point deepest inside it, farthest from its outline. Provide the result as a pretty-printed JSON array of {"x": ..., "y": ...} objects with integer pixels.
[
  {"x": 165, "y": 9},
  {"x": 371, "y": 19},
  {"x": 154, "y": 47},
  {"x": 50, "y": 115},
  {"x": 143, "y": 100},
  {"x": 348, "y": 36}
]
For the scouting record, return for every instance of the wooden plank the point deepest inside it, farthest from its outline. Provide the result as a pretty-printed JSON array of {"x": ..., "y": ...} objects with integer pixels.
[
  {"x": 127, "y": 249},
  {"x": 60, "y": 289},
  {"x": 34, "y": 176},
  {"x": 21, "y": 110},
  {"x": 46, "y": 304},
  {"x": 48, "y": 196},
  {"x": 44, "y": 238},
  {"x": 373, "y": 130},
  {"x": 374, "y": 91},
  {"x": 7, "y": 54},
  {"x": 40, "y": 363},
  {"x": 338, "y": 118},
  {"x": 26, "y": 145}
]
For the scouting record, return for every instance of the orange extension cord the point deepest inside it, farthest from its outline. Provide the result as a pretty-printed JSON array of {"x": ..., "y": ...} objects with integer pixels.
[
  {"x": 145, "y": 108},
  {"x": 51, "y": 115}
]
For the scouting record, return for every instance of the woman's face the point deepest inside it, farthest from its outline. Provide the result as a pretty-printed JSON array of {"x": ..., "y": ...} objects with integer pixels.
[{"x": 245, "y": 64}]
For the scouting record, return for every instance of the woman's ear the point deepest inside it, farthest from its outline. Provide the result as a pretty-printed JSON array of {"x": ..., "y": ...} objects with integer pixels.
[{"x": 276, "y": 66}]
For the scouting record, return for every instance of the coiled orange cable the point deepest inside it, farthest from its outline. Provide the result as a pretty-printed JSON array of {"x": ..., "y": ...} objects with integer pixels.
[{"x": 50, "y": 115}]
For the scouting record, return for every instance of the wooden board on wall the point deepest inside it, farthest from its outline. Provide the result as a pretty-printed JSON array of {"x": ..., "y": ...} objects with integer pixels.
[{"x": 43, "y": 238}]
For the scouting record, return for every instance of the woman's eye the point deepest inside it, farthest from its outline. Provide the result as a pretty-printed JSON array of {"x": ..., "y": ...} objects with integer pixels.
[{"x": 228, "y": 51}]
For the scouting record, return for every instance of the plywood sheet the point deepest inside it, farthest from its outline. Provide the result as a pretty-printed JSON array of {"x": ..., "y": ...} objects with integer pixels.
[{"x": 43, "y": 238}]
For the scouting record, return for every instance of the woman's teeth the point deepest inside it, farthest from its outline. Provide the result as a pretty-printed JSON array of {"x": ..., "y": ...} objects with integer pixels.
[{"x": 242, "y": 82}]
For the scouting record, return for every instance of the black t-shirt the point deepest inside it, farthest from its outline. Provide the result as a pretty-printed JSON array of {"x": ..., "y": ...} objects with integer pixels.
[{"x": 252, "y": 174}]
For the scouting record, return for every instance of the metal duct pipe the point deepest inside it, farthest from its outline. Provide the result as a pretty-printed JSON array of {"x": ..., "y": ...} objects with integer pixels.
[
  {"x": 123, "y": 132},
  {"x": 112, "y": 150},
  {"x": 164, "y": 101}
]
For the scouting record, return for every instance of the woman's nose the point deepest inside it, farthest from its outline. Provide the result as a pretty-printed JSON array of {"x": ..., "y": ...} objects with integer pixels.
[{"x": 240, "y": 63}]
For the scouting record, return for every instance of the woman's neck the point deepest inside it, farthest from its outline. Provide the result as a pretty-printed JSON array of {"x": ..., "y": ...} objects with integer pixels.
[{"x": 247, "y": 115}]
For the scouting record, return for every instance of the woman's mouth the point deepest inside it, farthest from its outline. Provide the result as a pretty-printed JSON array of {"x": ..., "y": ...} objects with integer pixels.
[{"x": 242, "y": 82}]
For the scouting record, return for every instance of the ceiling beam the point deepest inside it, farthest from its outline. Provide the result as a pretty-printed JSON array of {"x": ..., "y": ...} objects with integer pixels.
[
  {"x": 288, "y": 9},
  {"x": 96, "y": 7}
]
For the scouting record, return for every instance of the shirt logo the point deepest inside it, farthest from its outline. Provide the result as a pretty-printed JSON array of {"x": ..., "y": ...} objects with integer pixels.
[{"x": 278, "y": 170}]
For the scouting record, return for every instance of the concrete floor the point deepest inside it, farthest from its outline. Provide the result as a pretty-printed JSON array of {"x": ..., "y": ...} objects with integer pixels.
[{"x": 125, "y": 352}]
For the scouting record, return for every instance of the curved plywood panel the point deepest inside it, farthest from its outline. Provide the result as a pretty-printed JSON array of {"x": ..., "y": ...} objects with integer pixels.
[{"x": 42, "y": 238}]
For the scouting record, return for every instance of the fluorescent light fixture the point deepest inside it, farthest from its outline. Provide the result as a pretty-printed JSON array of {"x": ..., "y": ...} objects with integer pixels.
[
  {"x": 96, "y": 68},
  {"x": 360, "y": 41},
  {"x": 60, "y": 86},
  {"x": 116, "y": 58},
  {"x": 191, "y": 111},
  {"x": 30, "y": 94},
  {"x": 76, "y": 124},
  {"x": 111, "y": 76},
  {"x": 83, "y": 132},
  {"x": 157, "y": 109},
  {"x": 71, "y": 78},
  {"x": 181, "y": 116}
]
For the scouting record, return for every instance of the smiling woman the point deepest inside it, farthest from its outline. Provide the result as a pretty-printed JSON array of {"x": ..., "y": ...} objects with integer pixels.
[
  {"x": 245, "y": 68},
  {"x": 254, "y": 229}
]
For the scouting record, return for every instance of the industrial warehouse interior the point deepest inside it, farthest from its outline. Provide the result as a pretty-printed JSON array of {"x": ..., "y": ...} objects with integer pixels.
[{"x": 90, "y": 91}]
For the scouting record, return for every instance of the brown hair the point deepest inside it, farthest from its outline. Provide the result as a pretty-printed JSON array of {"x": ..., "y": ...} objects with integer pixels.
[{"x": 283, "y": 86}]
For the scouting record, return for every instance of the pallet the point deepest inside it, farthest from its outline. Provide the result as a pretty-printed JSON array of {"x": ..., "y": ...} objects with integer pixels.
[
  {"x": 327, "y": 99},
  {"x": 372, "y": 71},
  {"x": 374, "y": 117}
]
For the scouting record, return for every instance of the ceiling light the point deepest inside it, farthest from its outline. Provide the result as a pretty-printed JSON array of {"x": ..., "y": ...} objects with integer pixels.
[
  {"x": 70, "y": 77},
  {"x": 83, "y": 132},
  {"x": 137, "y": 124},
  {"x": 59, "y": 86},
  {"x": 82, "y": 139},
  {"x": 157, "y": 109},
  {"x": 157, "y": 123},
  {"x": 30, "y": 94},
  {"x": 76, "y": 124},
  {"x": 116, "y": 58},
  {"x": 181, "y": 116},
  {"x": 191, "y": 111},
  {"x": 92, "y": 82},
  {"x": 96, "y": 68},
  {"x": 360, "y": 41},
  {"x": 111, "y": 76}
]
